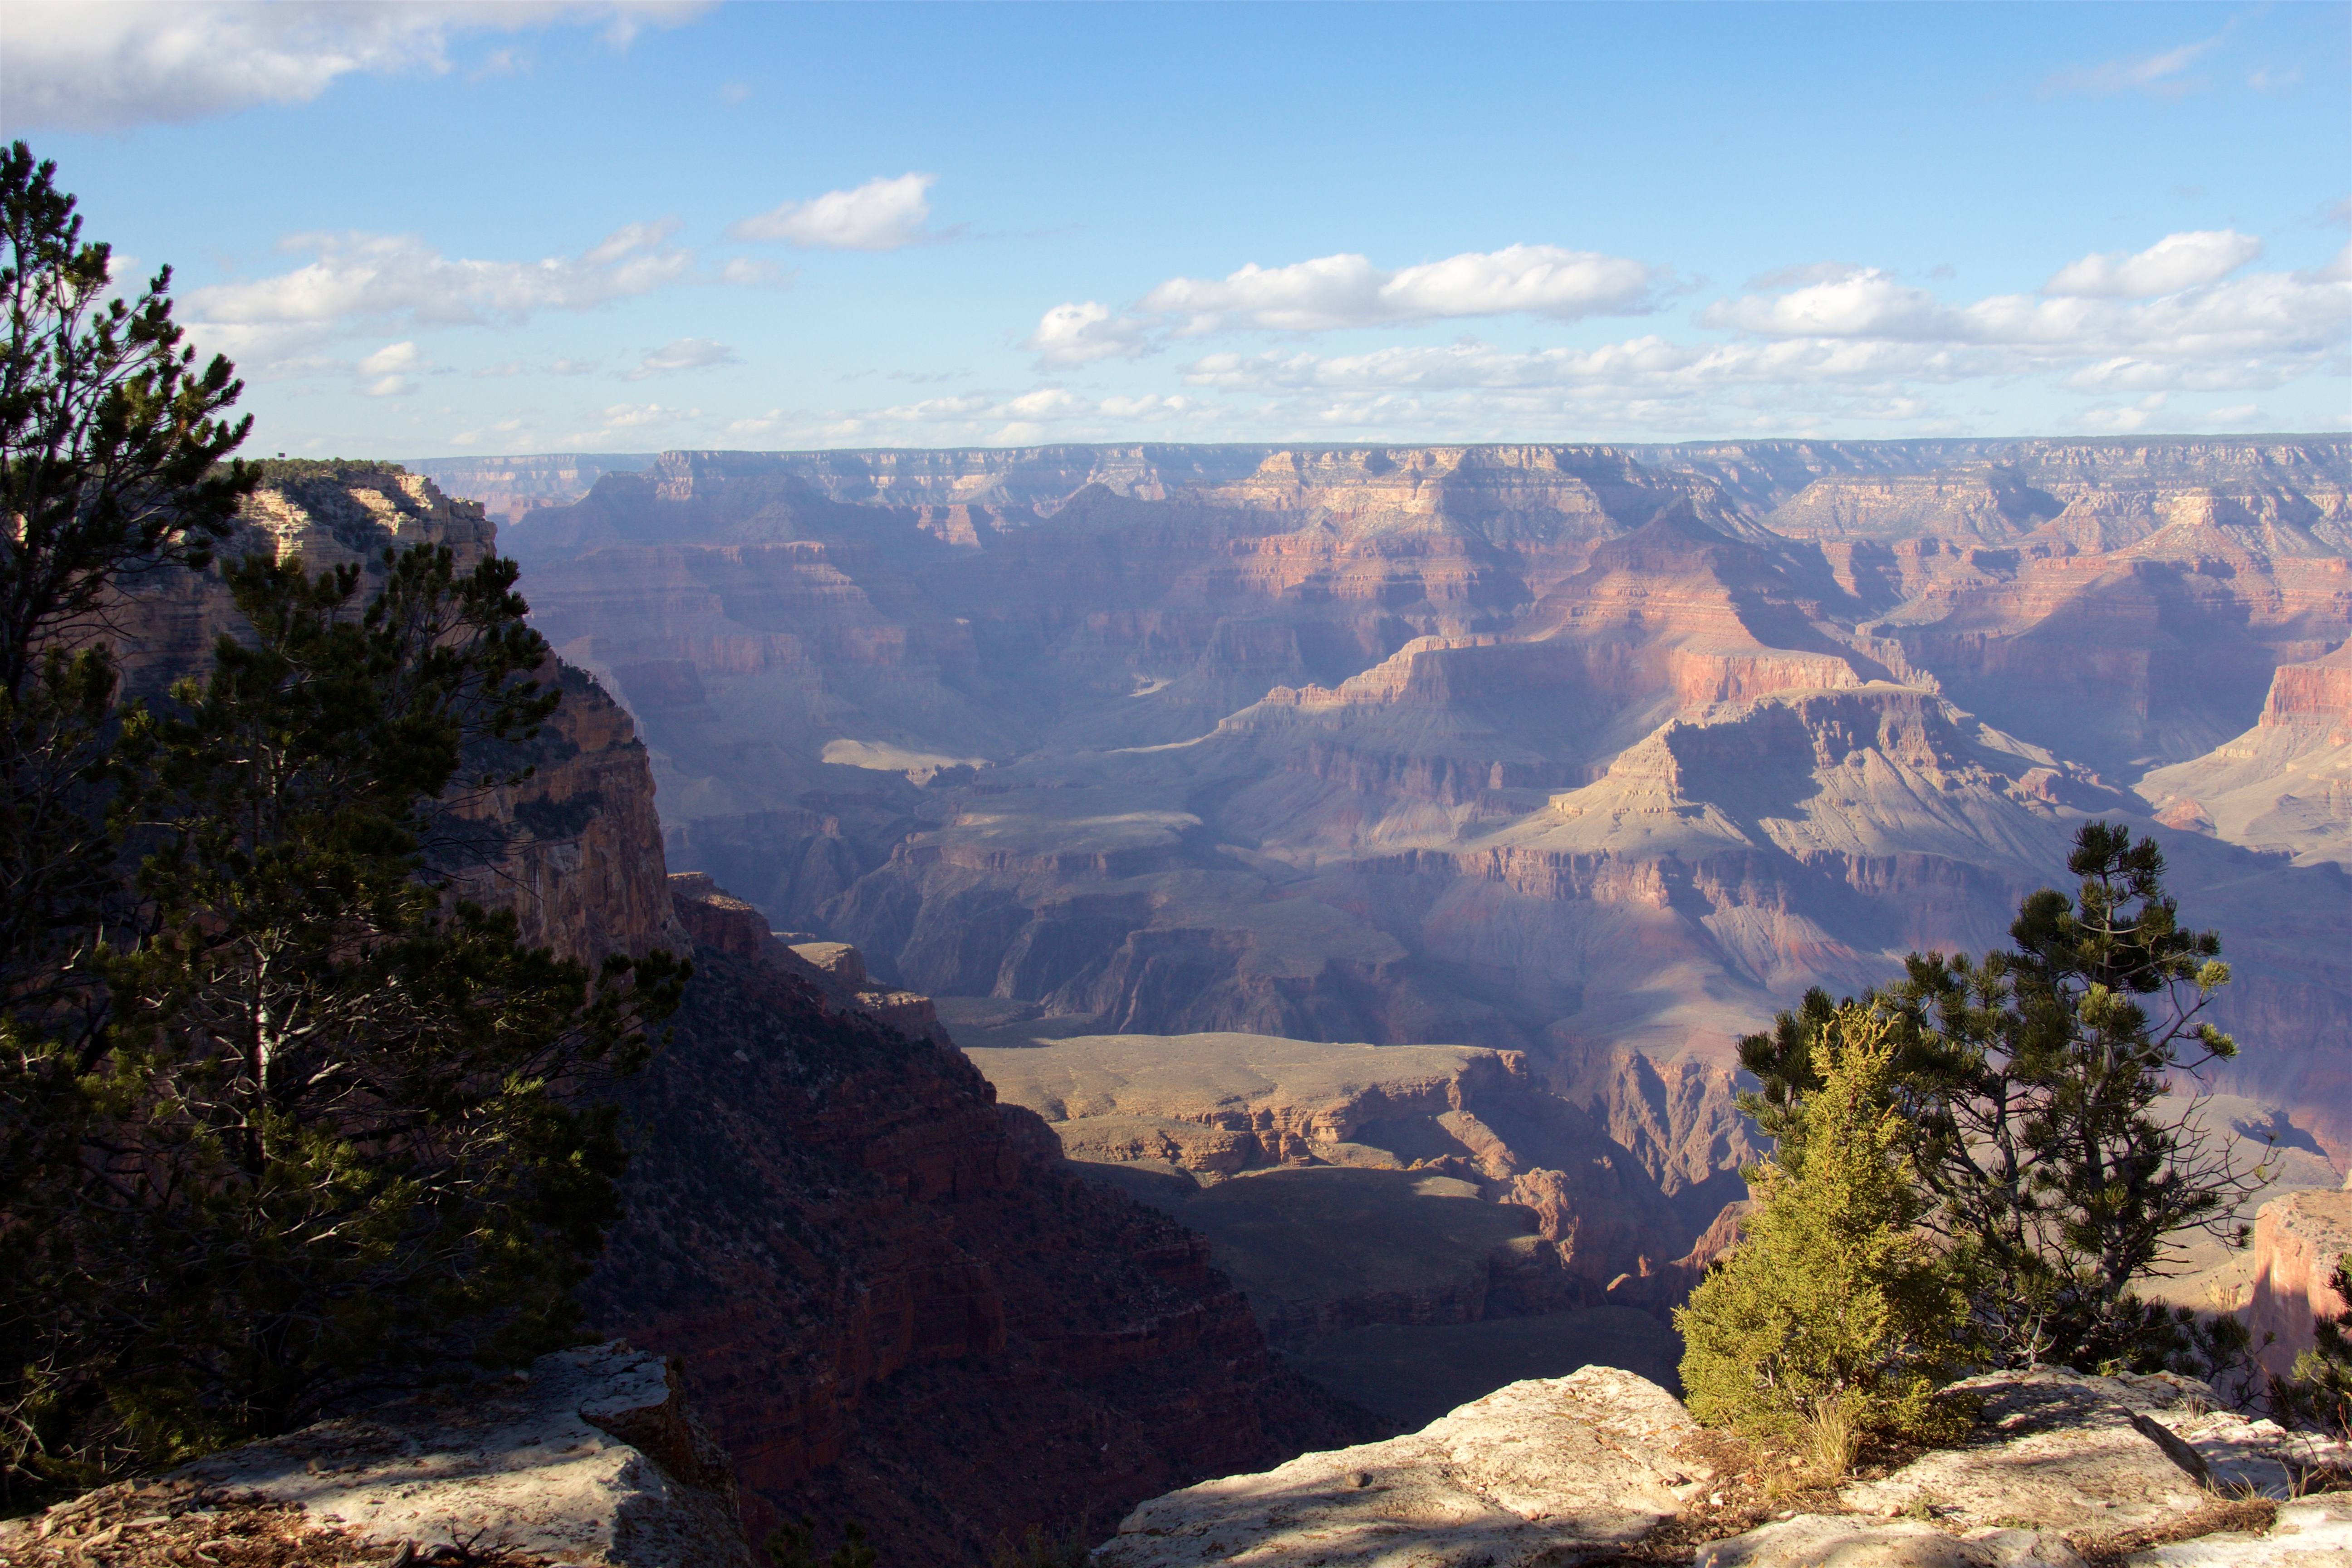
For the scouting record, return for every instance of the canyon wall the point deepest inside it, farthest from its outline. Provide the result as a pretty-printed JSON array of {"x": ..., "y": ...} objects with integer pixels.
[
  {"x": 1598, "y": 754},
  {"x": 894, "y": 1303}
]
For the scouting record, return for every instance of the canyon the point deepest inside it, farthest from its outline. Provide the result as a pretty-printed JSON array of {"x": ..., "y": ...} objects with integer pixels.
[
  {"x": 1595, "y": 755},
  {"x": 1181, "y": 931},
  {"x": 866, "y": 1270}
]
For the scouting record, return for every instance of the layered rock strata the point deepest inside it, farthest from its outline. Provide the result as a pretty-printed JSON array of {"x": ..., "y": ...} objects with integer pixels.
[{"x": 1305, "y": 741}]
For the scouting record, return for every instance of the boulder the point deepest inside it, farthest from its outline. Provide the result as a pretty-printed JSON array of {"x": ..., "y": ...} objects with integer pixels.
[
  {"x": 591, "y": 1459},
  {"x": 1532, "y": 1473},
  {"x": 2316, "y": 1533},
  {"x": 2052, "y": 1448},
  {"x": 1838, "y": 1540}
]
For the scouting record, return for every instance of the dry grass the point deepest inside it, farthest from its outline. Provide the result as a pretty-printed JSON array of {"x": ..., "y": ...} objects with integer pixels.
[
  {"x": 2112, "y": 1549},
  {"x": 1832, "y": 1438},
  {"x": 176, "y": 1524}
]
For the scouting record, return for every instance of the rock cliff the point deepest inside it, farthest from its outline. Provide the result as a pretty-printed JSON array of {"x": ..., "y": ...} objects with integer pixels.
[
  {"x": 591, "y": 1458},
  {"x": 1598, "y": 754},
  {"x": 868, "y": 1270},
  {"x": 581, "y": 865},
  {"x": 2297, "y": 1240},
  {"x": 894, "y": 1303}
]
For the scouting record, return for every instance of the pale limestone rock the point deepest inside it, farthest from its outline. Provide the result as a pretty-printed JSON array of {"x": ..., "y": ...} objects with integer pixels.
[
  {"x": 2314, "y": 1533},
  {"x": 1529, "y": 1474},
  {"x": 2234, "y": 1453},
  {"x": 2052, "y": 1448},
  {"x": 1836, "y": 1540},
  {"x": 593, "y": 1461}
]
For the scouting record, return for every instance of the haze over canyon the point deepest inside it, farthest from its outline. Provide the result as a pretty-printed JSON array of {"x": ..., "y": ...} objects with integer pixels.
[{"x": 1599, "y": 756}]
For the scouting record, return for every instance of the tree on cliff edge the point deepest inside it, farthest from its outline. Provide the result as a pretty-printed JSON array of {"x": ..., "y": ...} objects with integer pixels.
[
  {"x": 281, "y": 1120},
  {"x": 1834, "y": 1316},
  {"x": 2035, "y": 1086}
]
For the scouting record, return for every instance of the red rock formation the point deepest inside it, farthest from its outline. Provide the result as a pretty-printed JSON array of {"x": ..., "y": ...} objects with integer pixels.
[
  {"x": 2297, "y": 1240},
  {"x": 1299, "y": 740}
]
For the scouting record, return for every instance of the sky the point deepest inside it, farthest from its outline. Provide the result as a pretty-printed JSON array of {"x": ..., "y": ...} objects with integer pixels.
[{"x": 426, "y": 230}]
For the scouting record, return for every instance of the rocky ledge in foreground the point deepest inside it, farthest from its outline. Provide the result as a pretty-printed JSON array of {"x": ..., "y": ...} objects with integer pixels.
[
  {"x": 593, "y": 1458},
  {"x": 1602, "y": 1467}
]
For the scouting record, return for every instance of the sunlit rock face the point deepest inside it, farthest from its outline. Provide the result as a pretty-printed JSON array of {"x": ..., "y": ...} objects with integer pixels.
[
  {"x": 1598, "y": 754},
  {"x": 579, "y": 858}
]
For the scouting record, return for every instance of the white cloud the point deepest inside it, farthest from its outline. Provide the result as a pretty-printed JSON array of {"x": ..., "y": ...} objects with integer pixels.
[
  {"x": 489, "y": 372},
  {"x": 388, "y": 386},
  {"x": 631, "y": 416},
  {"x": 82, "y": 66},
  {"x": 1869, "y": 303},
  {"x": 2158, "y": 73},
  {"x": 620, "y": 418},
  {"x": 357, "y": 281},
  {"x": 2277, "y": 323},
  {"x": 683, "y": 354},
  {"x": 2176, "y": 261},
  {"x": 2122, "y": 419},
  {"x": 393, "y": 357},
  {"x": 1335, "y": 291},
  {"x": 1082, "y": 331},
  {"x": 753, "y": 272},
  {"x": 629, "y": 238},
  {"x": 880, "y": 214},
  {"x": 572, "y": 366}
]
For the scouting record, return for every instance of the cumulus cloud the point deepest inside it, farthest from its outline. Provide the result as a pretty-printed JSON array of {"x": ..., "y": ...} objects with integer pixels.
[
  {"x": 683, "y": 354},
  {"x": 623, "y": 419},
  {"x": 1837, "y": 349},
  {"x": 1084, "y": 331},
  {"x": 356, "y": 280},
  {"x": 880, "y": 214},
  {"x": 1332, "y": 292},
  {"x": 2176, "y": 261},
  {"x": 393, "y": 357},
  {"x": 79, "y": 67},
  {"x": 2170, "y": 306}
]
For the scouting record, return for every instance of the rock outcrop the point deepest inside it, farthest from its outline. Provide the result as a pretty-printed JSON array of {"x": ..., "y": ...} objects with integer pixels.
[
  {"x": 593, "y": 1458},
  {"x": 2059, "y": 1468},
  {"x": 2297, "y": 1240},
  {"x": 1539, "y": 1472},
  {"x": 868, "y": 1270},
  {"x": 580, "y": 862}
]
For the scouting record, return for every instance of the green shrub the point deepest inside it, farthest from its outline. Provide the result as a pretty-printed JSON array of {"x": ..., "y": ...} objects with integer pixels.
[
  {"x": 2320, "y": 1393},
  {"x": 1834, "y": 1313}
]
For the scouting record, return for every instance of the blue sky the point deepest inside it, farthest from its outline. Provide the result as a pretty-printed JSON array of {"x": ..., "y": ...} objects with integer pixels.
[{"x": 424, "y": 230}]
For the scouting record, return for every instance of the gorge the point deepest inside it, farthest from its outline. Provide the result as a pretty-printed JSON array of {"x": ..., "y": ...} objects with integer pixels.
[{"x": 1321, "y": 844}]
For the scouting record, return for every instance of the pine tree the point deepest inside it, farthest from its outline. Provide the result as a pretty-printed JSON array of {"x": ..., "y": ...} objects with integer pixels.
[
  {"x": 341, "y": 1131},
  {"x": 2038, "y": 1088},
  {"x": 2319, "y": 1391},
  {"x": 1834, "y": 1311}
]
